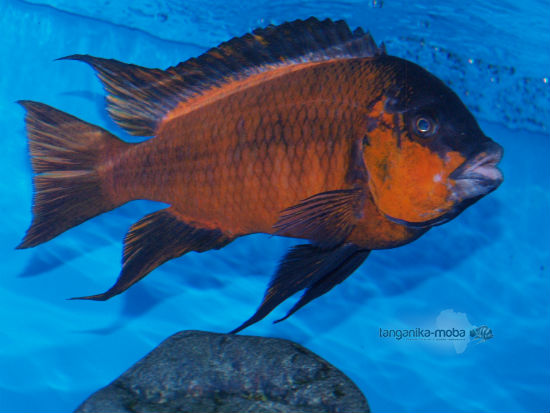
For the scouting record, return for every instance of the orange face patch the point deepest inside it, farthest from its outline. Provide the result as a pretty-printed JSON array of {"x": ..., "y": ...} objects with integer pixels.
[{"x": 408, "y": 181}]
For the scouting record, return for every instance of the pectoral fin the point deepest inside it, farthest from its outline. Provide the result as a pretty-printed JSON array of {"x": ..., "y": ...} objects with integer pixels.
[
  {"x": 326, "y": 218},
  {"x": 311, "y": 267},
  {"x": 155, "y": 239}
]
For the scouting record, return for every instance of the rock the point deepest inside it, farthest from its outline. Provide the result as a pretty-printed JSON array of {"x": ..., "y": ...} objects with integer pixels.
[{"x": 195, "y": 371}]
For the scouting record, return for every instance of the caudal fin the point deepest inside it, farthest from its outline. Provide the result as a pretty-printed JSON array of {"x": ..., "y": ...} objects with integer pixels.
[{"x": 66, "y": 153}]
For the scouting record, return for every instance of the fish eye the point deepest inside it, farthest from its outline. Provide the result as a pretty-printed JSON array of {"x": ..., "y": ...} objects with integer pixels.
[{"x": 424, "y": 126}]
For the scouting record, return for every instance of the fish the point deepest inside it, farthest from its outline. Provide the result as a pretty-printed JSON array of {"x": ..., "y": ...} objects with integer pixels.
[
  {"x": 307, "y": 130},
  {"x": 482, "y": 333}
]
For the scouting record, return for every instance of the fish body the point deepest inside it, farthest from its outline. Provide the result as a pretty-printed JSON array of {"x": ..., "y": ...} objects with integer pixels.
[
  {"x": 482, "y": 333},
  {"x": 304, "y": 130},
  {"x": 236, "y": 162}
]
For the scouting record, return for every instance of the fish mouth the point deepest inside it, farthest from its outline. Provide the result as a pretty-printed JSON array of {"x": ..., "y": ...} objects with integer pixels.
[{"x": 479, "y": 176}]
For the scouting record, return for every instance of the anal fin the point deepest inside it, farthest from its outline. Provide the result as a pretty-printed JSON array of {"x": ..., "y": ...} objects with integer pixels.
[
  {"x": 155, "y": 239},
  {"x": 307, "y": 267}
]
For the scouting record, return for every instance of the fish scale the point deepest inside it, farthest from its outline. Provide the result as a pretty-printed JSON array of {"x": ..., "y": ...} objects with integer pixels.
[
  {"x": 307, "y": 157},
  {"x": 304, "y": 130}
]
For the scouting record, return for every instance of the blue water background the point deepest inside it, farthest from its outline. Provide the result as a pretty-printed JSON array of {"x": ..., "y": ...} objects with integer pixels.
[{"x": 491, "y": 263}]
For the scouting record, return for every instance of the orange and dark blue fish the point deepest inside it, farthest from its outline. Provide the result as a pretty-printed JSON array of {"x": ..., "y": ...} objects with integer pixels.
[{"x": 304, "y": 130}]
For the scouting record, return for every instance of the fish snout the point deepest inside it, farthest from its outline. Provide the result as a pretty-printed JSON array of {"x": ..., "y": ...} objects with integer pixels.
[{"x": 479, "y": 175}]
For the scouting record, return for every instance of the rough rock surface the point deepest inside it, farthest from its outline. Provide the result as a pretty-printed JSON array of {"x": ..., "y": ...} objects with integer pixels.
[{"x": 195, "y": 371}]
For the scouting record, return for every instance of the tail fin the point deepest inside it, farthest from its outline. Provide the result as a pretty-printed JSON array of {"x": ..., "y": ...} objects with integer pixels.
[{"x": 65, "y": 153}]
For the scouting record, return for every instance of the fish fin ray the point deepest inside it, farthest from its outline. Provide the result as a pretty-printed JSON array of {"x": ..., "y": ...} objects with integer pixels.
[
  {"x": 299, "y": 41},
  {"x": 326, "y": 218},
  {"x": 138, "y": 98},
  {"x": 155, "y": 239},
  {"x": 65, "y": 155},
  {"x": 330, "y": 280},
  {"x": 302, "y": 267}
]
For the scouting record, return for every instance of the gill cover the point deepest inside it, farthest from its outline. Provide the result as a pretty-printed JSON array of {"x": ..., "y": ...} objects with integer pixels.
[{"x": 408, "y": 181}]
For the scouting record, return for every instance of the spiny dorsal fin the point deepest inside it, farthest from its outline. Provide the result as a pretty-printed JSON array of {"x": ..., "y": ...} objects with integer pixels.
[
  {"x": 289, "y": 43},
  {"x": 138, "y": 98}
]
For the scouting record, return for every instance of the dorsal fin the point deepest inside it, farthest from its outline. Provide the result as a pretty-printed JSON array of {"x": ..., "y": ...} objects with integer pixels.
[
  {"x": 289, "y": 43},
  {"x": 138, "y": 98}
]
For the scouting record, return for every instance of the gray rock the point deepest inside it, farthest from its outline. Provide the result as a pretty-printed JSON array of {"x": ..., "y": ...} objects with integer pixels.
[{"x": 195, "y": 371}]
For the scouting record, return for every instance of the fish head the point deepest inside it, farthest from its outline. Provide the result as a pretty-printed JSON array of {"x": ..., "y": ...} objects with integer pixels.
[
  {"x": 426, "y": 156},
  {"x": 488, "y": 334}
]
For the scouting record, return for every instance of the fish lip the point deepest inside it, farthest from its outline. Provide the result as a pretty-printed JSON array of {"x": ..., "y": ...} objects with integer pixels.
[
  {"x": 483, "y": 166},
  {"x": 478, "y": 176}
]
